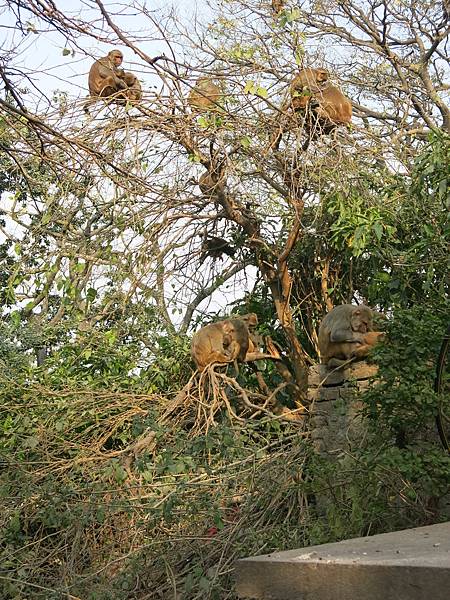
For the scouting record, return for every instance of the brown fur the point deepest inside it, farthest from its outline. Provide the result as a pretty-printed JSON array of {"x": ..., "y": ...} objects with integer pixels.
[
  {"x": 277, "y": 6},
  {"x": 205, "y": 95},
  {"x": 233, "y": 339},
  {"x": 304, "y": 85},
  {"x": 212, "y": 184},
  {"x": 220, "y": 342},
  {"x": 310, "y": 87},
  {"x": 106, "y": 79}
]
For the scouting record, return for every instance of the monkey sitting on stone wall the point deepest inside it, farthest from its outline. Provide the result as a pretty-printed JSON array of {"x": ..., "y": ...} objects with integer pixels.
[{"x": 347, "y": 332}]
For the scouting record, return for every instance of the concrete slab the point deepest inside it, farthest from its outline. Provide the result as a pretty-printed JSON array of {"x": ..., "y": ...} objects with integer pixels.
[{"x": 413, "y": 564}]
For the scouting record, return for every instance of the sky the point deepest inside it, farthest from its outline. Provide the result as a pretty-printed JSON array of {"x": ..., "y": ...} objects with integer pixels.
[{"x": 40, "y": 53}]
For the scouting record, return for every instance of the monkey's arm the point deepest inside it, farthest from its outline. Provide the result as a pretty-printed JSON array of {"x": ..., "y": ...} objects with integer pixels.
[
  {"x": 106, "y": 72},
  {"x": 251, "y": 356},
  {"x": 346, "y": 335},
  {"x": 370, "y": 339},
  {"x": 255, "y": 354}
]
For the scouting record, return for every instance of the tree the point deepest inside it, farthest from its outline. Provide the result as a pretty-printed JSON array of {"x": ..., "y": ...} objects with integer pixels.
[{"x": 116, "y": 204}]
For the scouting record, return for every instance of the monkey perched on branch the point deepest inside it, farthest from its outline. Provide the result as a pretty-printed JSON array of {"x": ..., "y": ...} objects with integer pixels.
[
  {"x": 213, "y": 181},
  {"x": 227, "y": 341},
  {"x": 217, "y": 342},
  {"x": 215, "y": 247},
  {"x": 310, "y": 89},
  {"x": 277, "y": 6},
  {"x": 106, "y": 80},
  {"x": 347, "y": 332},
  {"x": 205, "y": 95},
  {"x": 323, "y": 106}
]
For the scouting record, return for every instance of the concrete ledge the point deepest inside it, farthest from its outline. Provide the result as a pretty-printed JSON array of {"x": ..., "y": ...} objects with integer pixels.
[{"x": 413, "y": 564}]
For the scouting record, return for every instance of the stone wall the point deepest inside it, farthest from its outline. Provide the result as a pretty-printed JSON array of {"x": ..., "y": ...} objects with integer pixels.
[{"x": 336, "y": 423}]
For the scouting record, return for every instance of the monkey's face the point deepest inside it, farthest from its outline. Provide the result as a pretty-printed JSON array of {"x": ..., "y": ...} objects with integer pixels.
[
  {"x": 361, "y": 321},
  {"x": 252, "y": 320},
  {"x": 228, "y": 333},
  {"x": 116, "y": 57},
  {"x": 321, "y": 75}
]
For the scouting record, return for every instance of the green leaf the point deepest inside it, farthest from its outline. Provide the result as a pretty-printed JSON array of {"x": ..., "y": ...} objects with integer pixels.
[
  {"x": 111, "y": 337},
  {"x": 378, "y": 229},
  {"x": 443, "y": 188},
  {"x": 46, "y": 218},
  {"x": 15, "y": 318},
  {"x": 194, "y": 158},
  {"x": 66, "y": 52},
  {"x": 262, "y": 92},
  {"x": 91, "y": 294},
  {"x": 249, "y": 87}
]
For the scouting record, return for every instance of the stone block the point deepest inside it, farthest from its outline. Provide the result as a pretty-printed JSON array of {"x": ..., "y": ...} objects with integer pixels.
[
  {"x": 360, "y": 370},
  {"x": 413, "y": 564},
  {"x": 330, "y": 377},
  {"x": 328, "y": 394},
  {"x": 314, "y": 375}
]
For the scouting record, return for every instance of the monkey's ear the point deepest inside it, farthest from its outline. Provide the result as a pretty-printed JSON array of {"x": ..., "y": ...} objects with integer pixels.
[
  {"x": 253, "y": 319},
  {"x": 228, "y": 327}
]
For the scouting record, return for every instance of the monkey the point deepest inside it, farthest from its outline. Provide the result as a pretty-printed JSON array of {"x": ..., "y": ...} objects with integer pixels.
[
  {"x": 346, "y": 332},
  {"x": 222, "y": 342},
  {"x": 228, "y": 341},
  {"x": 256, "y": 341},
  {"x": 205, "y": 95},
  {"x": 311, "y": 89},
  {"x": 277, "y": 6},
  {"x": 305, "y": 84},
  {"x": 107, "y": 80},
  {"x": 134, "y": 89},
  {"x": 105, "y": 77},
  {"x": 212, "y": 183},
  {"x": 332, "y": 107},
  {"x": 215, "y": 247}
]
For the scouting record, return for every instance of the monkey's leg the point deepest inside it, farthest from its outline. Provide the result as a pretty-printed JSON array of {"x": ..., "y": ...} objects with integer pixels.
[
  {"x": 373, "y": 337},
  {"x": 335, "y": 363},
  {"x": 362, "y": 351},
  {"x": 219, "y": 357},
  {"x": 111, "y": 85},
  {"x": 107, "y": 91}
]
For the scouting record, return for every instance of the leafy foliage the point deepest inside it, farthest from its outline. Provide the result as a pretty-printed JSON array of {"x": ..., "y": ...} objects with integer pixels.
[{"x": 105, "y": 491}]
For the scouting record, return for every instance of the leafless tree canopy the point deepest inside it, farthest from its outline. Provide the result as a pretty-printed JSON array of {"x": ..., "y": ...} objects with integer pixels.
[{"x": 108, "y": 206}]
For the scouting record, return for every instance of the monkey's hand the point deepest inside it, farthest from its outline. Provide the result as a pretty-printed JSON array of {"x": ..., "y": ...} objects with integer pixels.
[
  {"x": 121, "y": 84},
  {"x": 373, "y": 337},
  {"x": 272, "y": 349}
]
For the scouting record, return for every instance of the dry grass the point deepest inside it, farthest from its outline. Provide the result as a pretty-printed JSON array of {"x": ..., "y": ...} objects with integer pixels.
[{"x": 93, "y": 510}]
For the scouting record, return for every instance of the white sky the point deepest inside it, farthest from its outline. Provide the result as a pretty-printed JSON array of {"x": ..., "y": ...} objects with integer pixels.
[{"x": 42, "y": 52}]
